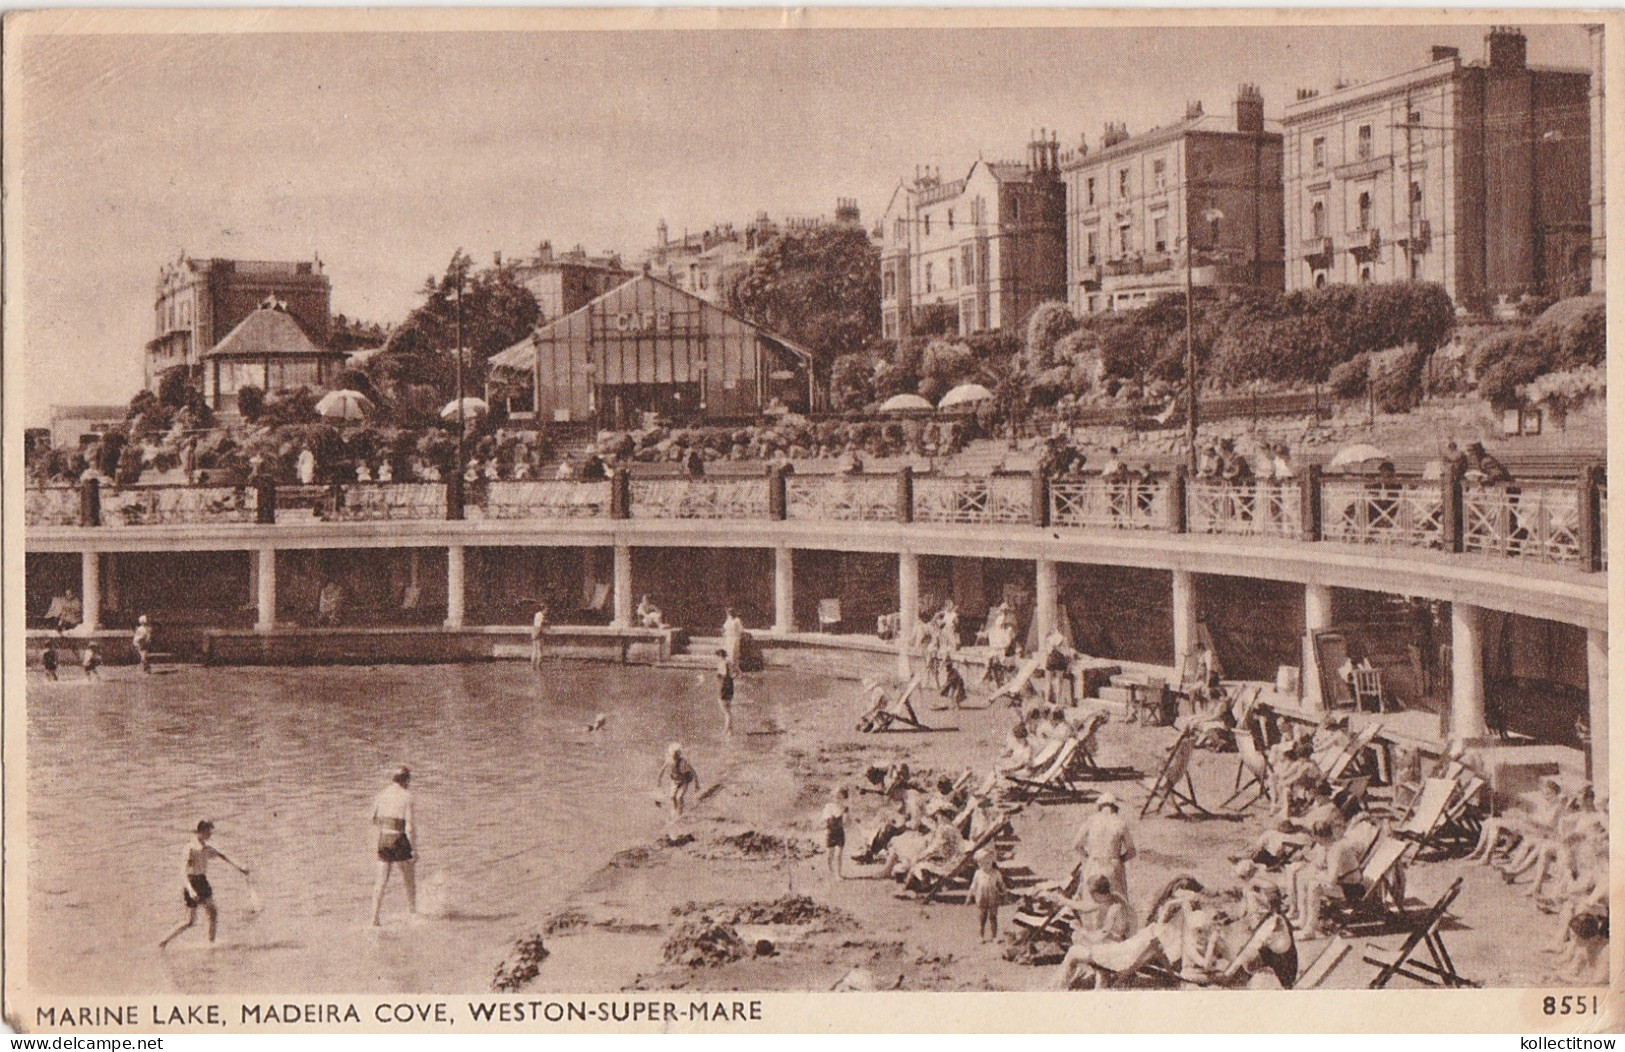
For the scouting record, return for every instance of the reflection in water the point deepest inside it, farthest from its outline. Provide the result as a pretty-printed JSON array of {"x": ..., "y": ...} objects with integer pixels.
[{"x": 516, "y": 801}]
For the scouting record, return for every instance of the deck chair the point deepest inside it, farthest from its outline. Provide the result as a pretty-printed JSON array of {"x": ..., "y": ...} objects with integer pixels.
[
  {"x": 1252, "y": 768},
  {"x": 1166, "y": 791},
  {"x": 895, "y": 716},
  {"x": 1089, "y": 766},
  {"x": 1442, "y": 970},
  {"x": 1462, "y": 822},
  {"x": 1322, "y": 966},
  {"x": 1383, "y": 897},
  {"x": 1368, "y": 687},
  {"x": 1039, "y": 913},
  {"x": 940, "y": 881},
  {"x": 1058, "y": 781},
  {"x": 1427, "y": 811},
  {"x": 1338, "y": 768}
]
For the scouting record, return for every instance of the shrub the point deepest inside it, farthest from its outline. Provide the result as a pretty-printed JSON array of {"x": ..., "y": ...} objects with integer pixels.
[
  {"x": 250, "y": 402},
  {"x": 935, "y": 319},
  {"x": 1048, "y": 322},
  {"x": 1349, "y": 379},
  {"x": 1397, "y": 386}
]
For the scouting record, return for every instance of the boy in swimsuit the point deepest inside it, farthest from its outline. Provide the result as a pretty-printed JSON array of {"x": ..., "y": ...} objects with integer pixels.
[
  {"x": 396, "y": 831},
  {"x": 195, "y": 889},
  {"x": 725, "y": 690}
]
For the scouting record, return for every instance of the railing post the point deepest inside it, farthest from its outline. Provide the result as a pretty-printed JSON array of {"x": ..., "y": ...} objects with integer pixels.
[
  {"x": 620, "y": 494},
  {"x": 1178, "y": 518},
  {"x": 1592, "y": 539},
  {"x": 1040, "y": 499},
  {"x": 454, "y": 497},
  {"x": 1309, "y": 507},
  {"x": 265, "y": 500},
  {"x": 778, "y": 503},
  {"x": 1450, "y": 494},
  {"x": 90, "y": 501},
  {"x": 905, "y": 494}
]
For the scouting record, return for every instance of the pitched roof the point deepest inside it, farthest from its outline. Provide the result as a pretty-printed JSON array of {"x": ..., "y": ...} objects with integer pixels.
[{"x": 267, "y": 333}]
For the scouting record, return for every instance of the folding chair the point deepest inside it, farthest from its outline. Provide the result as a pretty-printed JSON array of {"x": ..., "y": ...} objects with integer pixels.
[
  {"x": 1176, "y": 768},
  {"x": 1252, "y": 768},
  {"x": 1330, "y": 957},
  {"x": 935, "y": 886},
  {"x": 1039, "y": 913},
  {"x": 895, "y": 716},
  {"x": 1442, "y": 971},
  {"x": 1057, "y": 782},
  {"x": 1382, "y": 898},
  {"x": 1340, "y": 764},
  {"x": 1427, "y": 811},
  {"x": 1462, "y": 822},
  {"x": 1088, "y": 763}
]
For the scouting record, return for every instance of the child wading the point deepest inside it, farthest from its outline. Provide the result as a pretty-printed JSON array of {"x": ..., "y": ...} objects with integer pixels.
[
  {"x": 835, "y": 831},
  {"x": 92, "y": 661},
  {"x": 986, "y": 891},
  {"x": 142, "y": 641},
  {"x": 397, "y": 831},
  {"x": 725, "y": 690},
  {"x": 195, "y": 889},
  {"x": 682, "y": 778}
]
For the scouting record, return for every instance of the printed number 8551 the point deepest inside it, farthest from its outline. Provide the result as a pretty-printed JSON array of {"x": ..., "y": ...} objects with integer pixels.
[{"x": 1571, "y": 1004}]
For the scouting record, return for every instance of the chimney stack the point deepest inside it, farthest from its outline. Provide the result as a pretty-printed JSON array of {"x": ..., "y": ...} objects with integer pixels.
[
  {"x": 1249, "y": 109},
  {"x": 1193, "y": 110},
  {"x": 1509, "y": 48},
  {"x": 1445, "y": 54}
]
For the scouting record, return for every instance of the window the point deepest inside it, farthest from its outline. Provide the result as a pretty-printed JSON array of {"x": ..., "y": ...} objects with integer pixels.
[
  {"x": 1317, "y": 218},
  {"x": 1015, "y": 208},
  {"x": 1365, "y": 275},
  {"x": 1094, "y": 304},
  {"x": 1317, "y": 152},
  {"x": 953, "y": 273},
  {"x": 928, "y": 224},
  {"x": 1094, "y": 248},
  {"x": 1416, "y": 267},
  {"x": 1122, "y": 182},
  {"x": 1320, "y": 279},
  {"x": 981, "y": 262},
  {"x": 1123, "y": 240},
  {"x": 888, "y": 285},
  {"x": 929, "y": 286},
  {"x": 1089, "y": 191},
  {"x": 901, "y": 230},
  {"x": 950, "y": 219},
  {"x": 967, "y": 265},
  {"x": 1159, "y": 174},
  {"x": 1416, "y": 201},
  {"x": 1362, "y": 144},
  {"x": 1159, "y": 233},
  {"x": 1364, "y": 212}
]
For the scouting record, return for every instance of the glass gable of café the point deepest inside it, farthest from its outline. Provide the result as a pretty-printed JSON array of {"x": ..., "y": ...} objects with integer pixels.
[{"x": 648, "y": 347}]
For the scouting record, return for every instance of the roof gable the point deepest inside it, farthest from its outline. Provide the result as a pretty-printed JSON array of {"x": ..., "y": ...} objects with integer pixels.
[{"x": 267, "y": 333}]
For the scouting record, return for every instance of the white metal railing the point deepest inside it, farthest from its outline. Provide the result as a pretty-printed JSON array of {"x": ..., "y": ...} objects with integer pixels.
[
  {"x": 392, "y": 500},
  {"x": 685, "y": 498},
  {"x": 1109, "y": 505},
  {"x": 543, "y": 499},
  {"x": 1403, "y": 512},
  {"x": 1256, "y": 507},
  {"x": 992, "y": 500},
  {"x": 51, "y": 506},
  {"x": 169, "y": 505},
  {"x": 847, "y": 498},
  {"x": 1525, "y": 521}
]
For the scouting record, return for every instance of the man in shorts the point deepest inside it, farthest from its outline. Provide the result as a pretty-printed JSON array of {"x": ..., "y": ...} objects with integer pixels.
[
  {"x": 195, "y": 889},
  {"x": 392, "y": 820}
]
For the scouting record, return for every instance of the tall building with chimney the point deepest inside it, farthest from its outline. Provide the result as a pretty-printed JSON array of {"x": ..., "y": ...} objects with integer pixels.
[
  {"x": 1134, "y": 203},
  {"x": 564, "y": 281},
  {"x": 975, "y": 254},
  {"x": 1472, "y": 175},
  {"x": 708, "y": 263},
  {"x": 199, "y": 301}
]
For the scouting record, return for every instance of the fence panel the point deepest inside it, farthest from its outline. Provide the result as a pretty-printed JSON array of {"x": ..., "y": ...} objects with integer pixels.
[
  {"x": 51, "y": 506},
  {"x": 175, "y": 505},
  {"x": 1406, "y": 513},
  {"x": 1097, "y": 504},
  {"x": 846, "y": 498},
  {"x": 374, "y": 501},
  {"x": 543, "y": 499},
  {"x": 987, "y": 501},
  {"x": 684, "y": 498},
  {"x": 1540, "y": 522},
  {"x": 1260, "y": 508}
]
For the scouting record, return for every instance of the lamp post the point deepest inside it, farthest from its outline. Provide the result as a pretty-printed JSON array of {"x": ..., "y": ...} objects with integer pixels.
[{"x": 1212, "y": 215}]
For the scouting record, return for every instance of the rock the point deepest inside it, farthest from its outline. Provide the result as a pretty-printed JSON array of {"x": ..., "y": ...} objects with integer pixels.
[{"x": 521, "y": 965}]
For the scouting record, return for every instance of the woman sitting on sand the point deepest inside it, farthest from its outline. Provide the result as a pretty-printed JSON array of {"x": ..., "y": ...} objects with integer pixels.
[
  {"x": 1269, "y": 958},
  {"x": 1545, "y": 853},
  {"x": 1536, "y": 815},
  {"x": 1018, "y": 750},
  {"x": 1104, "y": 918}
]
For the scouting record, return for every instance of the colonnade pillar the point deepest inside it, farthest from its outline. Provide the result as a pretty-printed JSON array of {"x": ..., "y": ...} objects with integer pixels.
[
  {"x": 784, "y": 589},
  {"x": 1317, "y": 617},
  {"x": 264, "y": 567},
  {"x": 90, "y": 590},
  {"x": 908, "y": 607},
  {"x": 1597, "y": 676},
  {"x": 454, "y": 585},
  {"x": 1047, "y": 600},
  {"x": 623, "y": 586},
  {"x": 1185, "y": 634},
  {"x": 1466, "y": 671}
]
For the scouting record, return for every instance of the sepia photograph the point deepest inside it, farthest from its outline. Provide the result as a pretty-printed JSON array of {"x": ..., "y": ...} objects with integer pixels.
[{"x": 646, "y": 511}]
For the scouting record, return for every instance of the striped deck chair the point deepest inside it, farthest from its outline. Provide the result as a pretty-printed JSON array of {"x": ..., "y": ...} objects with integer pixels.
[{"x": 1058, "y": 781}]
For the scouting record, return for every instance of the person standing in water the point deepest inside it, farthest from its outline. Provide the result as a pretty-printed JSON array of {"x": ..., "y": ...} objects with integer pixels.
[
  {"x": 92, "y": 660},
  {"x": 142, "y": 640},
  {"x": 681, "y": 776},
  {"x": 396, "y": 832},
  {"x": 195, "y": 889},
  {"x": 733, "y": 637},
  {"x": 725, "y": 691},
  {"x": 538, "y": 631}
]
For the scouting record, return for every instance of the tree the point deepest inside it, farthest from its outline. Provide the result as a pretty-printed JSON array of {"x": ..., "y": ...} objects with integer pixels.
[
  {"x": 497, "y": 312},
  {"x": 1048, "y": 323},
  {"x": 819, "y": 287},
  {"x": 250, "y": 402}
]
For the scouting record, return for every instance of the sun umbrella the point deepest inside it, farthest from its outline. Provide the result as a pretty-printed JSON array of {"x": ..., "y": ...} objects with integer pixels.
[
  {"x": 344, "y": 405},
  {"x": 963, "y": 395},
  {"x": 470, "y": 407},
  {"x": 904, "y": 403},
  {"x": 1355, "y": 456}
]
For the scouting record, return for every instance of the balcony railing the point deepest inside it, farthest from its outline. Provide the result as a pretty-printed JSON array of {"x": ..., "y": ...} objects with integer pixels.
[
  {"x": 1098, "y": 504},
  {"x": 844, "y": 498},
  {"x": 545, "y": 499},
  {"x": 1548, "y": 522},
  {"x": 700, "y": 498},
  {"x": 986, "y": 501}
]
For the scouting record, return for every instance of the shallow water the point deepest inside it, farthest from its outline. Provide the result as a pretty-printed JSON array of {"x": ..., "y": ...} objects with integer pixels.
[{"x": 516, "y": 805}]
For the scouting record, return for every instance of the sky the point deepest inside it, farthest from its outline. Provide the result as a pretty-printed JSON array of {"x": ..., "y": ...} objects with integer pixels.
[{"x": 384, "y": 152}]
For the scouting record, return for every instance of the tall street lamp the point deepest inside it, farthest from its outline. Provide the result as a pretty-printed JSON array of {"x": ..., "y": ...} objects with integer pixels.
[{"x": 1212, "y": 216}]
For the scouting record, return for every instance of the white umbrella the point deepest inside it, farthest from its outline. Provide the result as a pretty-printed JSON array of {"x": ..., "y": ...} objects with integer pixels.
[
  {"x": 964, "y": 394},
  {"x": 470, "y": 407},
  {"x": 1356, "y": 455},
  {"x": 904, "y": 403},
  {"x": 344, "y": 405}
]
